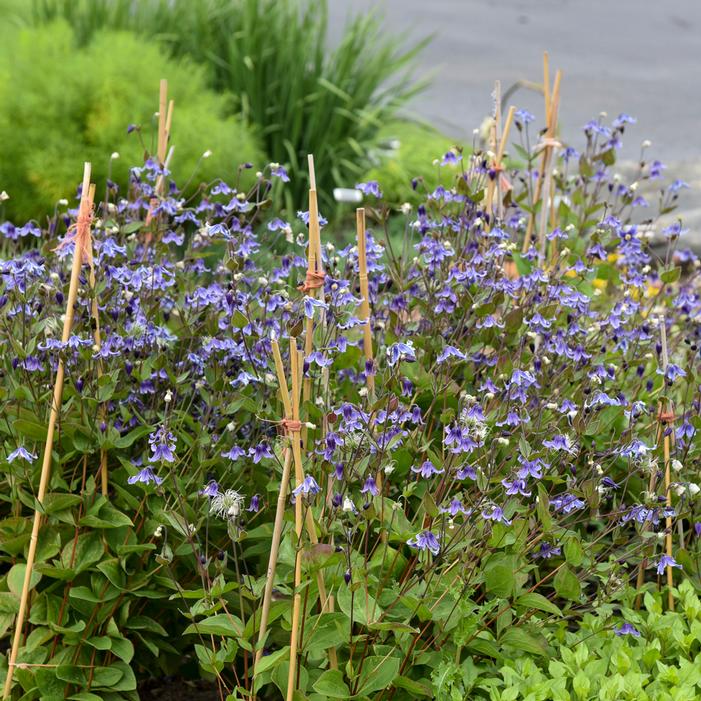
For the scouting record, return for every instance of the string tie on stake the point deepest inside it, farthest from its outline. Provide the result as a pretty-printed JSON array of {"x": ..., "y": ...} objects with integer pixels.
[
  {"x": 312, "y": 281},
  {"x": 79, "y": 233},
  {"x": 291, "y": 425},
  {"x": 666, "y": 416},
  {"x": 548, "y": 142}
]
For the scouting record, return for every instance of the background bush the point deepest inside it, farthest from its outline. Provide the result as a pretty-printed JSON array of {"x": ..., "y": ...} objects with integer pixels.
[
  {"x": 61, "y": 105},
  {"x": 271, "y": 58},
  {"x": 412, "y": 149}
]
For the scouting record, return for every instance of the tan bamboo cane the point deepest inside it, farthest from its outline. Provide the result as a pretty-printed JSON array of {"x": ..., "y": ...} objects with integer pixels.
[
  {"x": 314, "y": 280},
  {"x": 662, "y": 418},
  {"x": 289, "y": 424},
  {"x": 299, "y": 478},
  {"x": 365, "y": 295},
  {"x": 549, "y": 148},
  {"x": 666, "y": 421},
  {"x": 551, "y": 128},
  {"x": 94, "y": 309},
  {"x": 163, "y": 141},
  {"x": 498, "y": 164},
  {"x": 162, "y": 120},
  {"x": 82, "y": 231},
  {"x": 546, "y": 85},
  {"x": 281, "y": 501},
  {"x": 493, "y": 145},
  {"x": 652, "y": 486}
]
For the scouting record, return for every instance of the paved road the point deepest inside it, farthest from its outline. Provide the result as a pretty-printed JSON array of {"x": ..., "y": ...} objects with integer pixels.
[{"x": 642, "y": 57}]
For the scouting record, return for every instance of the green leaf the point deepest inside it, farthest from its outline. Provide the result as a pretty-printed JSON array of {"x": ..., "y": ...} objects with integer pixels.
[
  {"x": 414, "y": 687},
  {"x": 30, "y": 429},
  {"x": 123, "y": 648},
  {"x": 272, "y": 660},
  {"x": 113, "y": 572},
  {"x": 72, "y": 674},
  {"x": 581, "y": 685},
  {"x": 331, "y": 684},
  {"x": 107, "y": 677},
  {"x": 132, "y": 436},
  {"x": 533, "y": 600},
  {"x": 521, "y": 640},
  {"x": 15, "y": 578},
  {"x": 573, "y": 551},
  {"x": 499, "y": 574},
  {"x": 543, "y": 509},
  {"x": 53, "y": 503},
  {"x": 566, "y": 584},
  {"x": 365, "y": 609},
  {"x": 671, "y": 275},
  {"x": 378, "y": 673},
  {"x": 325, "y": 631},
  {"x": 226, "y": 625},
  {"x": 131, "y": 228},
  {"x": 101, "y": 642},
  {"x": 49, "y": 684}
]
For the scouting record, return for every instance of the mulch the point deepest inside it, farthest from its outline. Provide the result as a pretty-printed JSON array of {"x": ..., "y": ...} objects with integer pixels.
[{"x": 170, "y": 689}]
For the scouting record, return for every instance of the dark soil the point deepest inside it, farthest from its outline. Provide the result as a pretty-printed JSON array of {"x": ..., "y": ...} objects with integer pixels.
[{"x": 170, "y": 689}]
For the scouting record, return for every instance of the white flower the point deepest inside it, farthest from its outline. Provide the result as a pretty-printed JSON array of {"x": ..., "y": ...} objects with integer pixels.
[
  {"x": 676, "y": 465},
  {"x": 4, "y": 196},
  {"x": 694, "y": 488},
  {"x": 114, "y": 156},
  {"x": 348, "y": 505},
  {"x": 168, "y": 398},
  {"x": 207, "y": 154},
  {"x": 227, "y": 505},
  {"x": 158, "y": 533}
]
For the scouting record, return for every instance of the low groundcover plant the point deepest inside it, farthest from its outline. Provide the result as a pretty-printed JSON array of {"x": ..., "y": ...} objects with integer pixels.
[{"x": 511, "y": 446}]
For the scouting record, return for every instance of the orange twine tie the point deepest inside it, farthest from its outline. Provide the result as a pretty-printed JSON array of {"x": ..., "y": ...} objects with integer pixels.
[
  {"x": 79, "y": 233},
  {"x": 666, "y": 417},
  {"x": 291, "y": 425},
  {"x": 312, "y": 281}
]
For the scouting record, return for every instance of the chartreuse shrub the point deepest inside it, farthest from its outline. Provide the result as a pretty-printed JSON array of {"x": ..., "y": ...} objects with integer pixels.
[
  {"x": 504, "y": 481},
  {"x": 62, "y": 105},
  {"x": 616, "y": 652},
  {"x": 273, "y": 61},
  {"x": 409, "y": 163}
]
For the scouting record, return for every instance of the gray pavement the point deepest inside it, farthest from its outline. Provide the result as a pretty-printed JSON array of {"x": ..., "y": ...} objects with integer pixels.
[{"x": 642, "y": 57}]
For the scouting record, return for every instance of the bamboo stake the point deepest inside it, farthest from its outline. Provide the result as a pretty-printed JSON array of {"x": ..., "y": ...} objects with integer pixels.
[
  {"x": 281, "y": 501},
  {"x": 104, "y": 477},
  {"x": 551, "y": 128},
  {"x": 164, "y": 127},
  {"x": 546, "y": 85},
  {"x": 365, "y": 294},
  {"x": 547, "y": 160},
  {"x": 493, "y": 145},
  {"x": 668, "y": 411},
  {"x": 664, "y": 417},
  {"x": 82, "y": 231},
  {"x": 498, "y": 166},
  {"x": 651, "y": 490},
  {"x": 314, "y": 282},
  {"x": 162, "y": 119},
  {"x": 299, "y": 478}
]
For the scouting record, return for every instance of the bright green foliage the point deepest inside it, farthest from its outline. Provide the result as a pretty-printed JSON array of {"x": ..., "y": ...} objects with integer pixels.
[
  {"x": 413, "y": 150},
  {"x": 60, "y": 106},
  {"x": 271, "y": 58},
  {"x": 662, "y": 664}
]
